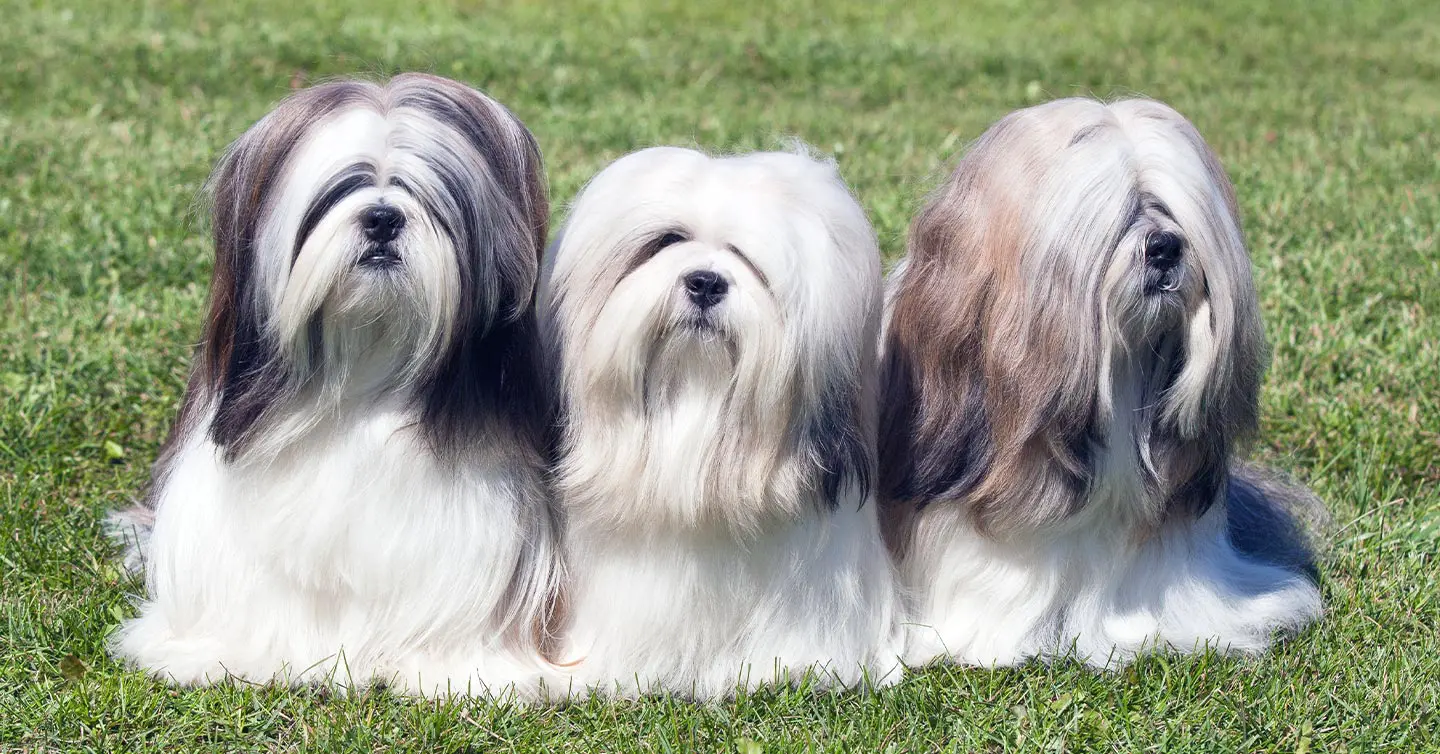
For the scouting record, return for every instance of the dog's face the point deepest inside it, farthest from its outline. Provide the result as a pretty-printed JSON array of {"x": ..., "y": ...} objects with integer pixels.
[
  {"x": 374, "y": 239},
  {"x": 1077, "y": 304},
  {"x": 726, "y": 303}
]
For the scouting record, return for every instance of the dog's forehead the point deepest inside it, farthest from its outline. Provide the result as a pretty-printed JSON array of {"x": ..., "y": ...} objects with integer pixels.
[{"x": 341, "y": 137}]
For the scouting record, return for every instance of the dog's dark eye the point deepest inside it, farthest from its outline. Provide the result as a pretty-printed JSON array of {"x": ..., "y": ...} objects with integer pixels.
[
  {"x": 653, "y": 247},
  {"x": 669, "y": 239},
  {"x": 1163, "y": 250}
]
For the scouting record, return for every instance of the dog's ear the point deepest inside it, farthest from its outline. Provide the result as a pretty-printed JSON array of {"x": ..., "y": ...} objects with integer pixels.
[
  {"x": 493, "y": 380},
  {"x": 839, "y": 433},
  {"x": 491, "y": 374},
  {"x": 920, "y": 472},
  {"x": 1007, "y": 431},
  {"x": 990, "y": 382},
  {"x": 836, "y": 436}
]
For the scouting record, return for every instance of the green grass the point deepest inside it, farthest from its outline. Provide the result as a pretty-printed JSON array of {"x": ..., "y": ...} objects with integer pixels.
[{"x": 1324, "y": 113}]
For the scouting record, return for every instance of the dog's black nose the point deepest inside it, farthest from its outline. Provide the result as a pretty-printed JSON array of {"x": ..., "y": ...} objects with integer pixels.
[
  {"x": 1163, "y": 250},
  {"x": 705, "y": 287},
  {"x": 382, "y": 223}
]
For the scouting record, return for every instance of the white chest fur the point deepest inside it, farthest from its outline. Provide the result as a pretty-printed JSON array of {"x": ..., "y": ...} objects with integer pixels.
[
  {"x": 701, "y": 614},
  {"x": 1095, "y": 589},
  {"x": 358, "y": 553}
]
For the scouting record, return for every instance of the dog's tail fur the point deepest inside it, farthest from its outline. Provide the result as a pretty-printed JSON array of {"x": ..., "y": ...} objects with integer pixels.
[{"x": 1273, "y": 519}]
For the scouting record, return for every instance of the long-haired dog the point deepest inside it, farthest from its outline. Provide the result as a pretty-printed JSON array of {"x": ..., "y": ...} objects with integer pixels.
[
  {"x": 715, "y": 321},
  {"x": 354, "y": 483},
  {"x": 1073, "y": 351}
]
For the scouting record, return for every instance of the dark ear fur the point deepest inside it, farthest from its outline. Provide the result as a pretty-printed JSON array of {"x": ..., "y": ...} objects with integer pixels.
[
  {"x": 492, "y": 375},
  {"x": 839, "y": 435},
  {"x": 910, "y": 471},
  {"x": 836, "y": 439},
  {"x": 492, "y": 380}
]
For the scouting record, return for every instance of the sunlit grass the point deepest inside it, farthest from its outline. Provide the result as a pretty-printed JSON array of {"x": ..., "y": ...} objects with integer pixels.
[{"x": 1324, "y": 113}]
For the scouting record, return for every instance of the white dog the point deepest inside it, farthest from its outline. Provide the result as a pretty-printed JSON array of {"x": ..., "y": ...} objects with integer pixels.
[
  {"x": 715, "y": 321},
  {"x": 354, "y": 483},
  {"x": 1073, "y": 352}
]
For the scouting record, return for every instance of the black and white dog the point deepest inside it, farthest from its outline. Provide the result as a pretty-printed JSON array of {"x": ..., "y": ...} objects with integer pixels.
[{"x": 354, "y": 483}]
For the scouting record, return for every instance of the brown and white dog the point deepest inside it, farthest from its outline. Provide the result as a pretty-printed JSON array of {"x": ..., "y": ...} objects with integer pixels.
[{"x": 1073, "y": 352}]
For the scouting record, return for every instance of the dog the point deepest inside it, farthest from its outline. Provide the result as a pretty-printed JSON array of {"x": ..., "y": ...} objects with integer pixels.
[
  {"x": 1073, "y": 354},
  {"x": 353, "y": 491},
  {"x": 713, "y": 325}
]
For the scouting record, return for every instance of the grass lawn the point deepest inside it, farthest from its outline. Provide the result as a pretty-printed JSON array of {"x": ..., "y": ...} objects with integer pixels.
[{"x": 111, "y": 115}]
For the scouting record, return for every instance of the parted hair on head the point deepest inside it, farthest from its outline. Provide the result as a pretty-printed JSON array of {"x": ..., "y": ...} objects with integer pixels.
[{"x": 1077, "y": 293}]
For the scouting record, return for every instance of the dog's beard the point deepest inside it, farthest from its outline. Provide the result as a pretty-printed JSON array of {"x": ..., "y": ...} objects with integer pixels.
[
  {"x": 374, "y": 337},
  {"x": 683, "y": 415},
  {"x": 693, "y": 363}
]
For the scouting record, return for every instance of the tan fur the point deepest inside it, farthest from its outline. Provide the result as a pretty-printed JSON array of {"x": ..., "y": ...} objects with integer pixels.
[{"x": 1010, "y": 313}]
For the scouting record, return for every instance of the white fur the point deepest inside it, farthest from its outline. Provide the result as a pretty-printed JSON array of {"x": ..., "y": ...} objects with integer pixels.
[
  {"x": 701, "y": 556},
  {"x": 1093, "y": 590},
  {"x": 355, "y": 557}
]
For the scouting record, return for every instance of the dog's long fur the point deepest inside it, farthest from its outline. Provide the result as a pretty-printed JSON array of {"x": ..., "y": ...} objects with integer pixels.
[
  {"x": 353, "y": 488},
  {"x": 1062, "y": 405},
  {"x": 716, "y": 470}
]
